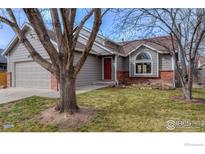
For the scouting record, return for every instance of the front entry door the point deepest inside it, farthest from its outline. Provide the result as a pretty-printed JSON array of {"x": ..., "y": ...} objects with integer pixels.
[{"x": 107, "y": 68}]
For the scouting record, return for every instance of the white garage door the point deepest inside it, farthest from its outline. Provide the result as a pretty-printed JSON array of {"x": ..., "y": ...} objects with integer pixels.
[{"x": 32, "y": 75}]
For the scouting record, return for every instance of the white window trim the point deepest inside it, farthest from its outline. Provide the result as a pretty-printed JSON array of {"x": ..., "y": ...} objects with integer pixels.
[{"x": 143, "y": 61}]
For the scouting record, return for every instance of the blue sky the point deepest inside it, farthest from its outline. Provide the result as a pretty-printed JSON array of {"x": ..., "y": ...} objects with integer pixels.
[{"x": 6, "y": 33}]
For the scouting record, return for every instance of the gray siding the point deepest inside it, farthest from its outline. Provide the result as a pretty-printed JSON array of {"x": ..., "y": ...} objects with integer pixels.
[
  {"x": 120, "y": 63},
  {"x": 90, "y": 72},
  {"x": 165, "y": 62},
  {"x": 126, "y": 63},
  {"x": 155, "y": 62},
  {"x": 19, "y": 53},
  {"x": 199, "y": 78},
  {"x": 123, "y": 63}
]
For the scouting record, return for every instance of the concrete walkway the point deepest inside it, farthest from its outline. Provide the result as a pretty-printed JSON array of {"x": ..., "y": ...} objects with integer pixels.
[{"x": 13, "y": 94}]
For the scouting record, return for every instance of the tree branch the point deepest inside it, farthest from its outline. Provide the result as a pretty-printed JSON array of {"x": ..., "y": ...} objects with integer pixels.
[
  {"x": 36, "y": 20},
  {"x": 80, "y": 26},
  {"x": 57, "y": 29},
  {"x": 22, "y": 38},
  {"x": 96, "y": 26}
]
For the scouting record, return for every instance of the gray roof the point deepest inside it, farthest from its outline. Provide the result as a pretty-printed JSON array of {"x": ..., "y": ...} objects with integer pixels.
[
  {"x": 122, "y": 48},
  {"x": 27, "y": 27},
  {"x": 2, "y": 58}
]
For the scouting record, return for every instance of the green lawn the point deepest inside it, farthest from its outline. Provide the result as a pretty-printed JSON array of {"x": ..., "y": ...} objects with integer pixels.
[{"x": 118, "y": 109}]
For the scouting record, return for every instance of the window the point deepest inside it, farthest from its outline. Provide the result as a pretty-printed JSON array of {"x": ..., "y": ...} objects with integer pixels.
[
  {"x": 5, "y": 68},
  {"x": 143, "y": 63},
  {"x": 2, "y": 67},
  {"x": 143, "y": 56}
]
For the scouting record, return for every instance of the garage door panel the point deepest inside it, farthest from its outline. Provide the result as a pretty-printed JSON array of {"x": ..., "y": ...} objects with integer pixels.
[{"x": 32, "y": 75}]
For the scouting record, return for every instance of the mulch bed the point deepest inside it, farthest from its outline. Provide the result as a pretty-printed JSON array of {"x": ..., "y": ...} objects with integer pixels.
[
  {"x": 62, "y": 120},
  {"x": 194, "y": 100}
]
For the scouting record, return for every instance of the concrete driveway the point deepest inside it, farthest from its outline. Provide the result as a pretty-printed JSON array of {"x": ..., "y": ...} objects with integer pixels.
[{"x": 13, "y": 94}]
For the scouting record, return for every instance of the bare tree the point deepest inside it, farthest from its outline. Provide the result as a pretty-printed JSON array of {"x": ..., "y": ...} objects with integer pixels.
[
  {"x": 62, "y": 59},
  {"x": 186, "y": 31}
]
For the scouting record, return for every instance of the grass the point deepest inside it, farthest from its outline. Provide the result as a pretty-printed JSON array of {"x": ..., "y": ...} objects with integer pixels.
[{"x": 118, "y": 110}]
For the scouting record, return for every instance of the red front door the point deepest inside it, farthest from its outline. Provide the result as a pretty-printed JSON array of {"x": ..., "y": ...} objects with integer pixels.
[{"x": 107, "y": 68}]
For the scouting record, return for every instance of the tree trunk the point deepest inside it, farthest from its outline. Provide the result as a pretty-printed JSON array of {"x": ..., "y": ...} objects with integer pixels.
[
  {"x": 68, "y": 101},
  {"x": 187, "y": 88},
  {"x": 187, "y": 92}
]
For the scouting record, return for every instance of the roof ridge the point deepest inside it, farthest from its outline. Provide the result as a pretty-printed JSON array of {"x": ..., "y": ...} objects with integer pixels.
[{"x": 130, "y": 41}]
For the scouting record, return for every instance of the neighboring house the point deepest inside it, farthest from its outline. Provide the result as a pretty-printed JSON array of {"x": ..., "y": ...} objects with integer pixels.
[
  {"x": 199, "y": 74},
  {"x": 109, "y": 61},
  {"x": 3, "y": 62},
  {"x": 3, "y": 66}
]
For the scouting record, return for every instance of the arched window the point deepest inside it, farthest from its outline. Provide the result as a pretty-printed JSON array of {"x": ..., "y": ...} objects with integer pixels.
[
  {"x": 143, "y": 56},
  {"x": 143, "y": 63}
]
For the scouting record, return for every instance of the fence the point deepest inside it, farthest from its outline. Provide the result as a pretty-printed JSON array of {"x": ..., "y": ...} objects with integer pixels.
[{"x": 2, "y": 79}]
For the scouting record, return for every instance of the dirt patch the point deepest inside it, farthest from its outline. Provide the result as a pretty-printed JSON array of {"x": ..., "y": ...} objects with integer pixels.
[
  {"x": 194, "y": 100},
  {"x": 149, "y": 86},
  {"x": 62, "y": 120}
]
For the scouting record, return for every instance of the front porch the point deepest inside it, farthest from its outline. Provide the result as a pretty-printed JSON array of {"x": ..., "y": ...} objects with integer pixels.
[{"x": 108, "y": 83}]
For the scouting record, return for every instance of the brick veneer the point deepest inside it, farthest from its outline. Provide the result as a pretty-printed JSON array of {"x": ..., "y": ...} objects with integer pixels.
[
  {"x": 164, "y": 77},
  {"x": 167, "y": 76},
  {"x": 9, "y": 79},
  {"x": 54, "y": 83}
]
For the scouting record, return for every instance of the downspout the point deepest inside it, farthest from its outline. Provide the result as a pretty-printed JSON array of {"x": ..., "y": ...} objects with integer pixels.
[
  {"x": 174, "y": 75},
  {"x": 116, "y": 80}
]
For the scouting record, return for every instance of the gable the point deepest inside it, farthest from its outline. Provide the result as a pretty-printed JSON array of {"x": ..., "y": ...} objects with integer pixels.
[
  {"x": 145, "y": 46},
  {"x": 153, "y": 53},
  {"x": 20, "y": 53},
  {"x": 154, "y": 58}
]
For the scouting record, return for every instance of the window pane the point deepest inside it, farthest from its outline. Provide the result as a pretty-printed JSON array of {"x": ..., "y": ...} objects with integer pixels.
[
  {"x": 143, "y": 56},
  {"x": 147, "y": 68},
  {"x": 5, "y": 67},
  {"x": 143, "y": 68},
  {"x": 139, "y": 68}
]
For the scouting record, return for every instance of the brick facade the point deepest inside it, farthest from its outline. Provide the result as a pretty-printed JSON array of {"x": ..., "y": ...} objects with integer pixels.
[
  {"x": 9, "y": 79},
  {"x": 167, "y": 76},
  {"x": 54, "y": 83},
  {"x": 164, "y": 77}
]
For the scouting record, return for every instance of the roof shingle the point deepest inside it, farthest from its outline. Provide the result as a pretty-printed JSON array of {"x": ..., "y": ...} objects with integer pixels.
[{"x": 161, "y": 44}]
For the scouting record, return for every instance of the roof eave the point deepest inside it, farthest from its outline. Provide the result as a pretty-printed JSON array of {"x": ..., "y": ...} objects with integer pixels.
[
  {"x": 14, "y": 40},
  {"x": 147, "y": 47},
  {"x": 27, "y": 25}
]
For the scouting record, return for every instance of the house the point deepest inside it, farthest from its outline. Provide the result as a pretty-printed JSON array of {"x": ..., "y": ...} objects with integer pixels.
[
  {"x": 199, "y": 74},
  {"x": 3, "y": 62},
  {"x": 109, "y": 61},
  {"x": 3, "y": 67}
]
